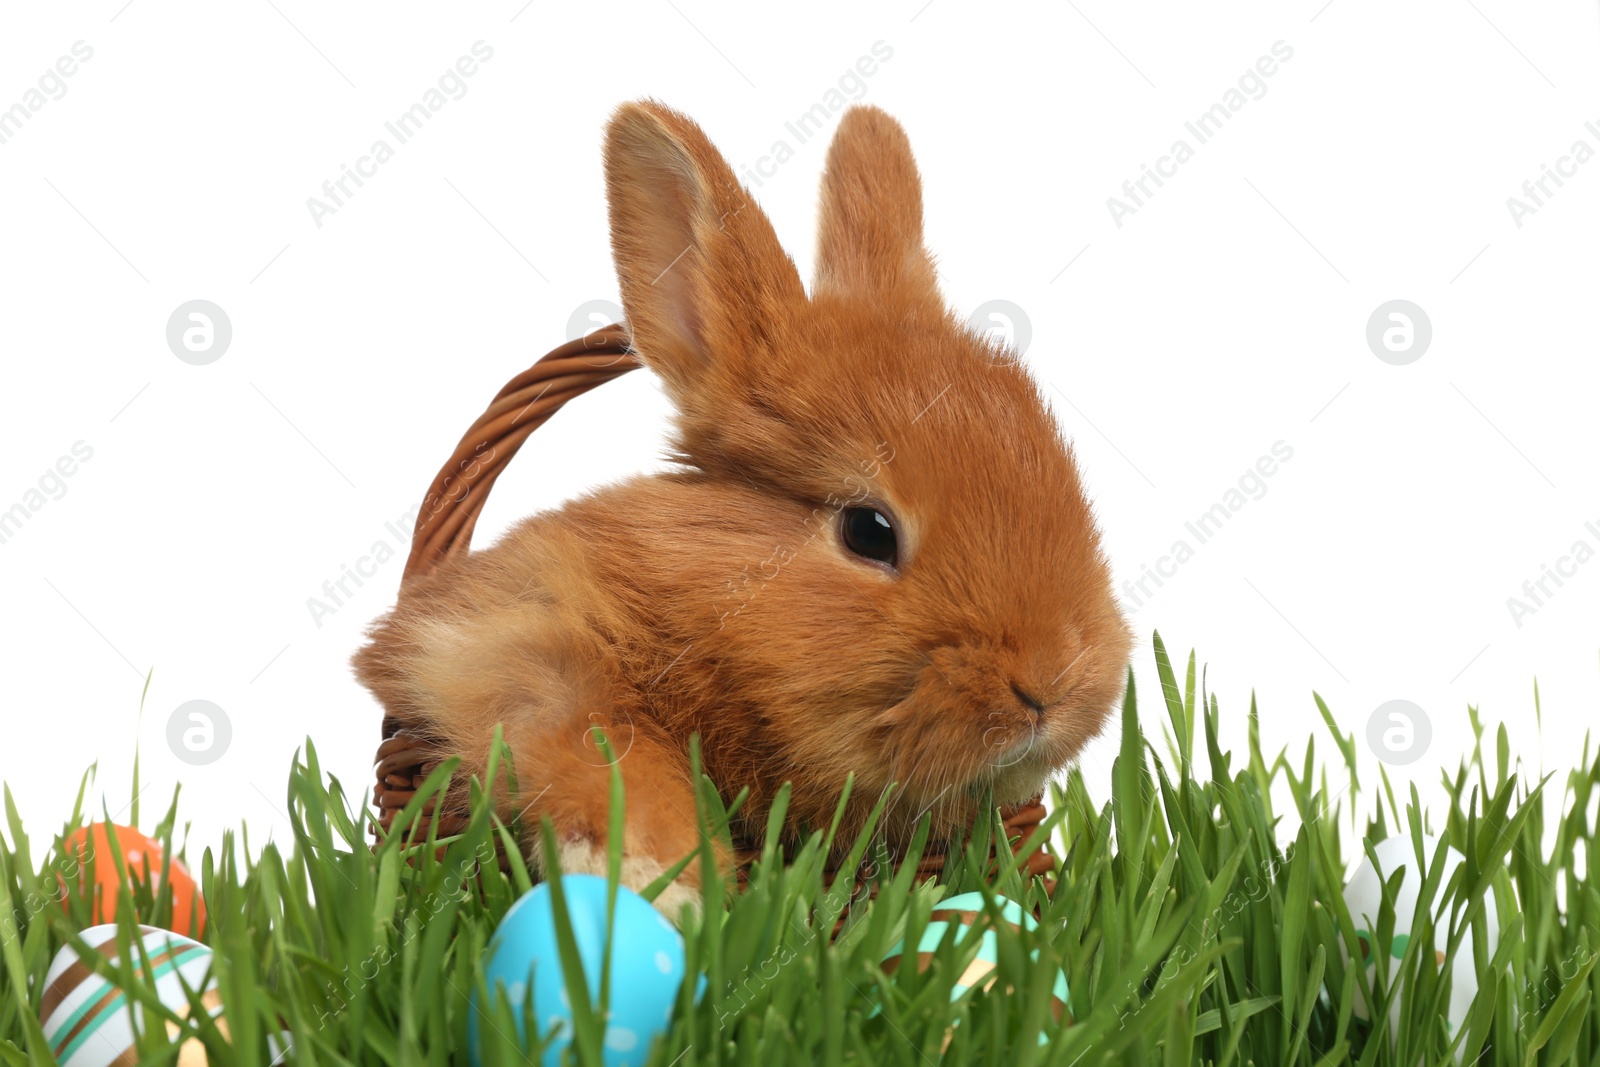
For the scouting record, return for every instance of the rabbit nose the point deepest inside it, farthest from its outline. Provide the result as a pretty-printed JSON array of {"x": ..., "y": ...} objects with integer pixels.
[{"x": 1034, "y": 704}]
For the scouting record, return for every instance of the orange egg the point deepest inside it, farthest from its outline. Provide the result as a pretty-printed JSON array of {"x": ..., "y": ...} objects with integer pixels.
[{"x": 144, "y": 859}]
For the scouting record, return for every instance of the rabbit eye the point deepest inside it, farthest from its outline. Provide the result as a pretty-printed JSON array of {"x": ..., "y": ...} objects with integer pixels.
[{"x": 868, "y": 533}]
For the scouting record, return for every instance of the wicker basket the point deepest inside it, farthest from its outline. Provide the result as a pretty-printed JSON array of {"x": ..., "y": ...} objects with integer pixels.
[{"x": 444, "y": 531}]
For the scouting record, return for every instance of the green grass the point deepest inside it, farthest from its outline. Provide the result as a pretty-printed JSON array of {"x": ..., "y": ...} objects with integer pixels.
[{"x": 1198, "y": 916}]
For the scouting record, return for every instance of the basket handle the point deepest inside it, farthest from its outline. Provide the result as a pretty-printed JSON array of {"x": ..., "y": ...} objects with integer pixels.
[{"x": 456, "y": 496}]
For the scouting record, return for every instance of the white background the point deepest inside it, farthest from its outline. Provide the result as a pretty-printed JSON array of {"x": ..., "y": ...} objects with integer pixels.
[{"x": 1228, "y": 313}]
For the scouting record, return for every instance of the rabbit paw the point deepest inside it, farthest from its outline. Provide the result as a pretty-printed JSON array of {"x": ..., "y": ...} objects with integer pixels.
[{"x": 678, "y": 901}]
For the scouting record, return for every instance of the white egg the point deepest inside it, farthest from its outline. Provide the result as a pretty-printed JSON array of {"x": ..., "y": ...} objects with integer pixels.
[{"x": 1364, "y": 897}]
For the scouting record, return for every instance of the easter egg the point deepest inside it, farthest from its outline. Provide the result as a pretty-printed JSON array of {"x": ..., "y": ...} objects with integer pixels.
[
  {"x": 1364, "y": 897},
  {"x": 647, "y": 968},
  {"x": 143, "y": 856},
  {"x": 965, "y": 910},
  {"x": 89, "y": 1022}
]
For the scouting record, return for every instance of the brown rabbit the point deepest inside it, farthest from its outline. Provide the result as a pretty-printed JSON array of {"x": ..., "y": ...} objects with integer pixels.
[{"x": 875, "y": 557}]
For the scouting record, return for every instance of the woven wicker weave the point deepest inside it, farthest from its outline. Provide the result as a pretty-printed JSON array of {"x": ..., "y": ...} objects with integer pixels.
[{"x": 444, "y": 531}]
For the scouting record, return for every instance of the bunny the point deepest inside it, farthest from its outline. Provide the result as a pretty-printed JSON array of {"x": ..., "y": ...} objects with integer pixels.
[{"x": 874, "y": 556}]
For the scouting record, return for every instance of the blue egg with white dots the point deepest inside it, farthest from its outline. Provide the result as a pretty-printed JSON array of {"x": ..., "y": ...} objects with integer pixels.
[{"x": 647, "y": 969}]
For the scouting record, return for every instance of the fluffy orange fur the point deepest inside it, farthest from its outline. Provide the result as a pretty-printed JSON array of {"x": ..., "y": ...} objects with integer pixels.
[{"x": 720, "y": 599}]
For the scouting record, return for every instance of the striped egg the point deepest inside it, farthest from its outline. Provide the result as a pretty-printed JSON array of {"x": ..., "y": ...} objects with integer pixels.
[
  {"x": 965, "y": 910},
  {"x": 88, "y": 1021}
]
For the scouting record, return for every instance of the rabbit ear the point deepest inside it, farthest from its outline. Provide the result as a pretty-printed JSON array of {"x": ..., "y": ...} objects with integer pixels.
[
  {"x": 700, "y": 268},
  {"x": 871, "y": 230}
]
